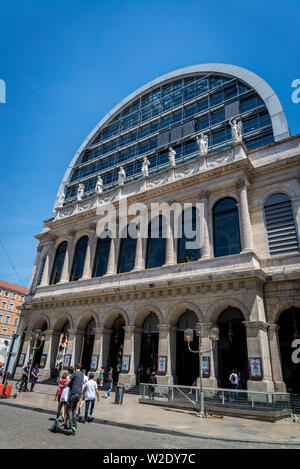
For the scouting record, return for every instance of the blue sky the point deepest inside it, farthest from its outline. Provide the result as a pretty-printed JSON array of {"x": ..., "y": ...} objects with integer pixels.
[{"x": 66, "y": 63}]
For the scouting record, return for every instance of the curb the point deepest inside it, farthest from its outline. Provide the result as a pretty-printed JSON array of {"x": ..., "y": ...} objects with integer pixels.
[{"x": 153, "y": 429}]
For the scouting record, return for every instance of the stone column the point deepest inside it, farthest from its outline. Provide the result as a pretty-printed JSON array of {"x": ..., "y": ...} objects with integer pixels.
[
  {"x": 276, "y": 358},
  {"x": 211, "y": 381},
  {"x": 66, "y": 270},
  {"x": 87, "y": 269},
  {"x": 167, "y": 347},
  {"x": 75, "y": 343},
  {"x": 111, "y": 265},
  {"x": 101, "y": 346},
  {"x": 45, "y": 372},
  {"x": 258, "y": 347},
  {"x": 206, "y": 248},
  {"x": 47, "y": 267},
  {"x": 170, "y": 251},
  {"x": 244, "y": 216},
  {"x": 138, "y": 262},
  {"x": 132, "y": 345},
  {"x": 35, "y": 270}
]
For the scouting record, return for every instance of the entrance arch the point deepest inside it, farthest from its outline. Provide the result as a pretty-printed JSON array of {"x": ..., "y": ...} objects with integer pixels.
[
  {"x": 232, "y": 347},
  {"x": 36, "y": 355},
  {"x": 187, "y": 363},
  {"x": 149, "y": 345},
  {"x": 116, "y": 346},
  {"x": 289, "y": 330},
  {"x": 88, "y": 345}
]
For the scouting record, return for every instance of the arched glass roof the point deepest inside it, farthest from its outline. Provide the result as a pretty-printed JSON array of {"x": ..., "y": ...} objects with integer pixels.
[{"x": 171, "y": 111}]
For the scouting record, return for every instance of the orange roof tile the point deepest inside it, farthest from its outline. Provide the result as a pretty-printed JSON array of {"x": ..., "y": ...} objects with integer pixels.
[{"x": 13, "y": 287}]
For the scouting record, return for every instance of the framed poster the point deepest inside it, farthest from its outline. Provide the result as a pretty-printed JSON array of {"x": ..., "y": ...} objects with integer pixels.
[
  {"x": 94, "y": 362},
  {"x": 205, "y": 367},
  {"x": 162, "y": 365},
  {"x": 22, "y": 359},
  {"x": 255, "y": 367},
  {"x": 67, "y": 360},
  {"x": 125, "y": 363},
  {"x": 43, "y": 360}
]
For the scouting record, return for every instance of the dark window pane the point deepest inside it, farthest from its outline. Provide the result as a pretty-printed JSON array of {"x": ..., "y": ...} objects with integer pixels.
[{"x": 226, "y": 228}]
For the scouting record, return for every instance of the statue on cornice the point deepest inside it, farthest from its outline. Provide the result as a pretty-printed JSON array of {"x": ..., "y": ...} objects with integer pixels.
[
  {"x": 203, "y": 144},
  {"x": 121, "y": 176},
  {"x": 80, "y": 191},
  {"x": 236, "y": 130},
  {"x": 145, "y": 166},
  {"x": 99, "y": 185},
  {"x": 172, "y": 154},
  {"x": 61, "y": 200}
]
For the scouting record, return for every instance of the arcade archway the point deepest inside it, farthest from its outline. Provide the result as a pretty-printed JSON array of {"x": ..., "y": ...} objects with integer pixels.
[
  {"x": 149, "y": 345},
  {"x": 116, "y": 346},
  {"x": 88, "y": 344},
  {"x": 289, "y": 330},
  {"x": 232, "y": 348},
  {"x": 38, "y": 344},
  {"x": 187, "y": 363}
]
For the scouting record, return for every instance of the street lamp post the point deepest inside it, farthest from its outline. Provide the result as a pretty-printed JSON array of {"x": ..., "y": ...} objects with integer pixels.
[{"x": 201, "y": 329}]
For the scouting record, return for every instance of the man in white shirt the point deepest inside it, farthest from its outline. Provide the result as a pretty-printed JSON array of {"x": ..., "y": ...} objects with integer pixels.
[
  {"x": 90, "y": 392},
  {"x": 233, "y": 378}
]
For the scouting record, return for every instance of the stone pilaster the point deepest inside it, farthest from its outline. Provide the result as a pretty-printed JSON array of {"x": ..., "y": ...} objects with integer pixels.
[
  {"x": 167, "y": 347},
  {"x": 75, "y": 344},
  {"x": 138, "y": 262},
  {"x": 87, "y": 269},
  {"x": 111, "y": 265},
  {"x": 35, "y": 270},
  {"x": 170, "y": 250},
  {"x": 258, "y": 347},
  {"x": 211, "y": 381},
  {"x": 101, "y": 347},
  {"x": 275, "y": 358},
  {"x": 132, "y": 345},
  {"x": 48, "y": 264},
  {"x": 244, "y": 216},
  {"x": 48, "y": 350},
  {"x": 206, "y": 248},
  {"x": 66, "y": 270}
]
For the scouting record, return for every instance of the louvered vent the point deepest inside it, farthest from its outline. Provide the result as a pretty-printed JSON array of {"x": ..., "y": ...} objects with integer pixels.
[{"x": 280, "y": 223}]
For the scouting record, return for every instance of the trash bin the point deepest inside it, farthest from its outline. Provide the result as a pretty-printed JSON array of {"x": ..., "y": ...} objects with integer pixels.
[{"x": 119, "y": 394}]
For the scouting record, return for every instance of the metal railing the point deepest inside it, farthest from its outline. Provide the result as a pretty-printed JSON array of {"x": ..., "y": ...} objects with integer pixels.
[{"x": 217, "y": 397}]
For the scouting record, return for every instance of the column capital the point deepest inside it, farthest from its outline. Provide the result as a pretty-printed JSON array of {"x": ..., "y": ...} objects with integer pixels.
[
  {"x": 273, "y": 328},
  {"x": 258, "y": 325},
  {"x": 166, "y": 328},
  {"x": 242, "y": 183},
  {"x": 204, "y": 194},
  {"x": 133, "y": 329}
]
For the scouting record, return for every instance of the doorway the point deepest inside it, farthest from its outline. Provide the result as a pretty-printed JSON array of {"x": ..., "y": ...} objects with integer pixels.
[
  {"x": 149, "y": 346},
  {"x": 116, "y": 347},
  {"x": 88, "y": 345},
  {"x": 187, "y": 363}
]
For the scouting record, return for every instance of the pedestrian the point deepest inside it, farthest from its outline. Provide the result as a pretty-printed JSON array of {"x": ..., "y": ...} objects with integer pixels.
[
  {"x": 80, "y": 403},
  {"x": 89, "y": 395},
  {"x": 148, "y": 374},
  {"x": 62, "y": 405},
  {"x": 64, "y": 397},
  {"x": 101, "y": 377},
  {"x": 25, "y": 375},
  {"x": 233, "y": 378},
  {"x": 139, "y": 376},
  {"x": 75, "y": 384},
  {"x": 152, "y": 380},
  {"x": 110, "y": 380},
  {"x": 34, "y": 376}
]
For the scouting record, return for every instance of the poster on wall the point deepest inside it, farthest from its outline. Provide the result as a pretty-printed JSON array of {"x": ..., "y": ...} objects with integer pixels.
[
  {"x": 255, "y": 368},
  {"x": 162, "y": 365},
  {"x": 66, "y": 360},
  {"x": 205, "y": 367},
  {"x": 94, "y": 362},
  {"x": 125, "y": 363},
  {"x": 43, "y": 360},
  {"x": 22, "y": 359}
]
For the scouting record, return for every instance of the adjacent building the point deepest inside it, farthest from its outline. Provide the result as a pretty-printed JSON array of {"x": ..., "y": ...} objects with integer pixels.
[
  {"x": 212, "y": 136},
  {"x": 11, "y": 298}
]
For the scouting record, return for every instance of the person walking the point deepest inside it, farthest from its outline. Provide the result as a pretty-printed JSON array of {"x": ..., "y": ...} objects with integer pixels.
[
  {"x": 110, "y": 380},
  {"x": 61, "y": 405},
  {"x": 80, "y": 403},
  {"x": 34, "y": 376},
  {"x": 64, "y": 397},
  {"x": 75, "y": 384},
  {"x": 89, "y": 395},
  {"x": 233, "y": 378},
  {"x": 101, "y": 377},
  {"x": 25, "y": 375},
  {"x": 152, "y": 380}
]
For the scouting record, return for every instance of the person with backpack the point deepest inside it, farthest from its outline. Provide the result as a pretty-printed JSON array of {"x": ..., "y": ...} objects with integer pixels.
[
  {"x": 233, "y": 378},
  {"x": 110, "y": 380},
  {"x": 89, "y": 395},
  {"x": 75, "y": 384}
]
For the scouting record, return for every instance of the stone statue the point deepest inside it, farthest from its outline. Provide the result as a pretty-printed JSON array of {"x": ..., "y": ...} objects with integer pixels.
[
  {"x": 99, "y": 185},
  {"x": 203, "y": 144},
  {"x": 80, "y": 191},
  {"x": 121, "y": 176},
  {"x": 172, "y": 154},
  {"x": 145, "y": 166},
  {"x": 61, "y": 200},
  {"x": 236, "y": 130}
]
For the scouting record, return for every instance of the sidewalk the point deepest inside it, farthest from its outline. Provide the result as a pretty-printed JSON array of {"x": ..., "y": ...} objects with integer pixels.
[{"x": 131, "y": 414}]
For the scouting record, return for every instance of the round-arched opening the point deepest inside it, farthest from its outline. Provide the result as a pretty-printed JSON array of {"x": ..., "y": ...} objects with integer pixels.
[
  {"x": 149, "y": 346},
  {"x": 232, "y": 348},
  {"x": 88, "y": 345},
  {"x": 37, "y": 347},
  {"x": 289, "y": 331},
  {"x": 187, "y": 363},
  {"x": 116, "y": 347}
]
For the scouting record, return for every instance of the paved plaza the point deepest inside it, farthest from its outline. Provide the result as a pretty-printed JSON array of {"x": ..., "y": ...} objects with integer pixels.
[{"x": 134, "y": 425}]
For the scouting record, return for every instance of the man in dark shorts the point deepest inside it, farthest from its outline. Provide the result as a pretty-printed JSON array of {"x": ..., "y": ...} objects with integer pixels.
[{"x": 75, "y": 384}]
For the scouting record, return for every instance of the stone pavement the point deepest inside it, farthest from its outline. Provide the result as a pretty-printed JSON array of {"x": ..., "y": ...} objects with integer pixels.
[{"x": 137, "y": 416}]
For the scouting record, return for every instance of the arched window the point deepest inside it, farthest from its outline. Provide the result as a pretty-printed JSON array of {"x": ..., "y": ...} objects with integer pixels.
[
  {"x": 79, "y": 258},
  {"x": 280, "y": 224},
  {"x": 226, "y": 228},
  {"x": 190, "y": 222},
  {"x": 127, "y": 252},
  {"x": 156, "y": 245},
  {"x": 101, "y": 257},
  {"x": 58, "y": 262}
]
